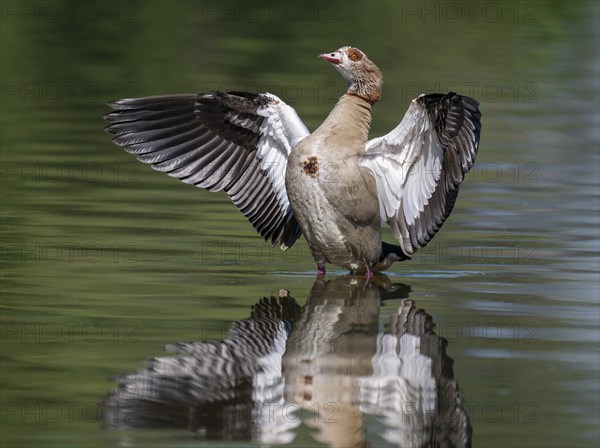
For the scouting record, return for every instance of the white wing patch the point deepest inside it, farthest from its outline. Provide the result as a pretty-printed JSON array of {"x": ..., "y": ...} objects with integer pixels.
[
  {"x": 406, "y": 163},
  {"x": 423, "y": 176},
  {"x": 280, "y": 133}
]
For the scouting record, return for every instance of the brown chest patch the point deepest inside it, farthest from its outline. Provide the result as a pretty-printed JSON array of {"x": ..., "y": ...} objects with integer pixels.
[{"x": 311, "y": 166}]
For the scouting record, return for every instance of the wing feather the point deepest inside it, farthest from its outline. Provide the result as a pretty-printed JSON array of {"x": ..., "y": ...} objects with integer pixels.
[
  {"x": 238, "y": 142},
  {"x": 420, "y": 164}
]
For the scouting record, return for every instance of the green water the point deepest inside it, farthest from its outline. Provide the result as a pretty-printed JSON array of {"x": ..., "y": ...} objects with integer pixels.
[{"x": 104, "y": 261}]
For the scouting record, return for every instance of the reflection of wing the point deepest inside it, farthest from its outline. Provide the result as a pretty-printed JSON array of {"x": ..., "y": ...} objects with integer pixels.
[
  {"x": 451, "y": 425},
  {"x": 215, "y": 386},
  {"x": 413, "y": 384}
]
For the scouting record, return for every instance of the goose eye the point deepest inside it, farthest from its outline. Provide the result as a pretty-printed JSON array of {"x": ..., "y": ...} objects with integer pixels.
[{"x": 354, "y": 54}]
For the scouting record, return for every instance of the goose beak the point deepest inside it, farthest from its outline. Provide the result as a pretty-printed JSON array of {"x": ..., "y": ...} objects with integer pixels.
[{"x": 333, "y": 57}]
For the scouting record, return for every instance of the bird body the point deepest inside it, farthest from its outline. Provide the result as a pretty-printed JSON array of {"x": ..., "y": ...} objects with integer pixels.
[
  {"x": 335, "y": 199},
  {"x": 334, "y": 186}
]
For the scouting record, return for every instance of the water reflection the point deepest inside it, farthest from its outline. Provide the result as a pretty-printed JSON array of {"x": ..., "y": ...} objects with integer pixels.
[{"x": 327, "y": 366}]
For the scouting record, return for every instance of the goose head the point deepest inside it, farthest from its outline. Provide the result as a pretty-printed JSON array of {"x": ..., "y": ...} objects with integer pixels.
[{"x": 363, "y": 76}]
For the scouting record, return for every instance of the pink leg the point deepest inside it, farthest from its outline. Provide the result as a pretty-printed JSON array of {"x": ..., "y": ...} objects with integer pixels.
[
  {"x": 320, "y": 269},
  {"x": 369, "y": 272}
]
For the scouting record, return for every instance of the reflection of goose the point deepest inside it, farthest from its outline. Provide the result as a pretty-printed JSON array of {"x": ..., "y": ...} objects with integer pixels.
[
  {"x": 326, "y": 366},
  {"x": 331, "y": 346}
]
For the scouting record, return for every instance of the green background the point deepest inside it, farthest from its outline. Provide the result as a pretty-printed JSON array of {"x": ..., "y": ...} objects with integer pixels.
[{"x": 104, "y": 261}]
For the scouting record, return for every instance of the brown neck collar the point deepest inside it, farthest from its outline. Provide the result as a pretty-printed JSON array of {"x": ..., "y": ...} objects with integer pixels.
[{"x": 371, "y": 99}]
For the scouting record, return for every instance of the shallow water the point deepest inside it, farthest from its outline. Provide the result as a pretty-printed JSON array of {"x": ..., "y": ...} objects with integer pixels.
[{"x": 104, "y": 261}]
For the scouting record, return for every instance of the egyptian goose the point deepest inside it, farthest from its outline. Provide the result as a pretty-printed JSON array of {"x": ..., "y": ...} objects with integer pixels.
[{"x": 334, "y": 186}]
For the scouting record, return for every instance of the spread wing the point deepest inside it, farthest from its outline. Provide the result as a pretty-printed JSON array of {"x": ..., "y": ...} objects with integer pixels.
[
  {"x": 237, "y": 142},
  {"x": 420, "y": 164}
]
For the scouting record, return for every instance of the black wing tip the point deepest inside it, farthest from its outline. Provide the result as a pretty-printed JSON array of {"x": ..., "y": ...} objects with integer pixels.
[
  {"x": 151, "y": 101},
  {"x": 435, "y": 99},
  {"x": 132, "y": 103},
  {"x": 125, "y": 108},
  {"x": 160, "y": 101},
  {"x": 112, "y": 119},
  {"x": 109, "y": 130},
  {"x": 120, "y": 103},
  {"x": 449, "y": 111},
  {"x": 388, "y": 249}
]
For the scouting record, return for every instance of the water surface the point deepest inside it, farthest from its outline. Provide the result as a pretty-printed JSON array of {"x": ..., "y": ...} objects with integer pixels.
[{"x": 104, "y": 261}]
